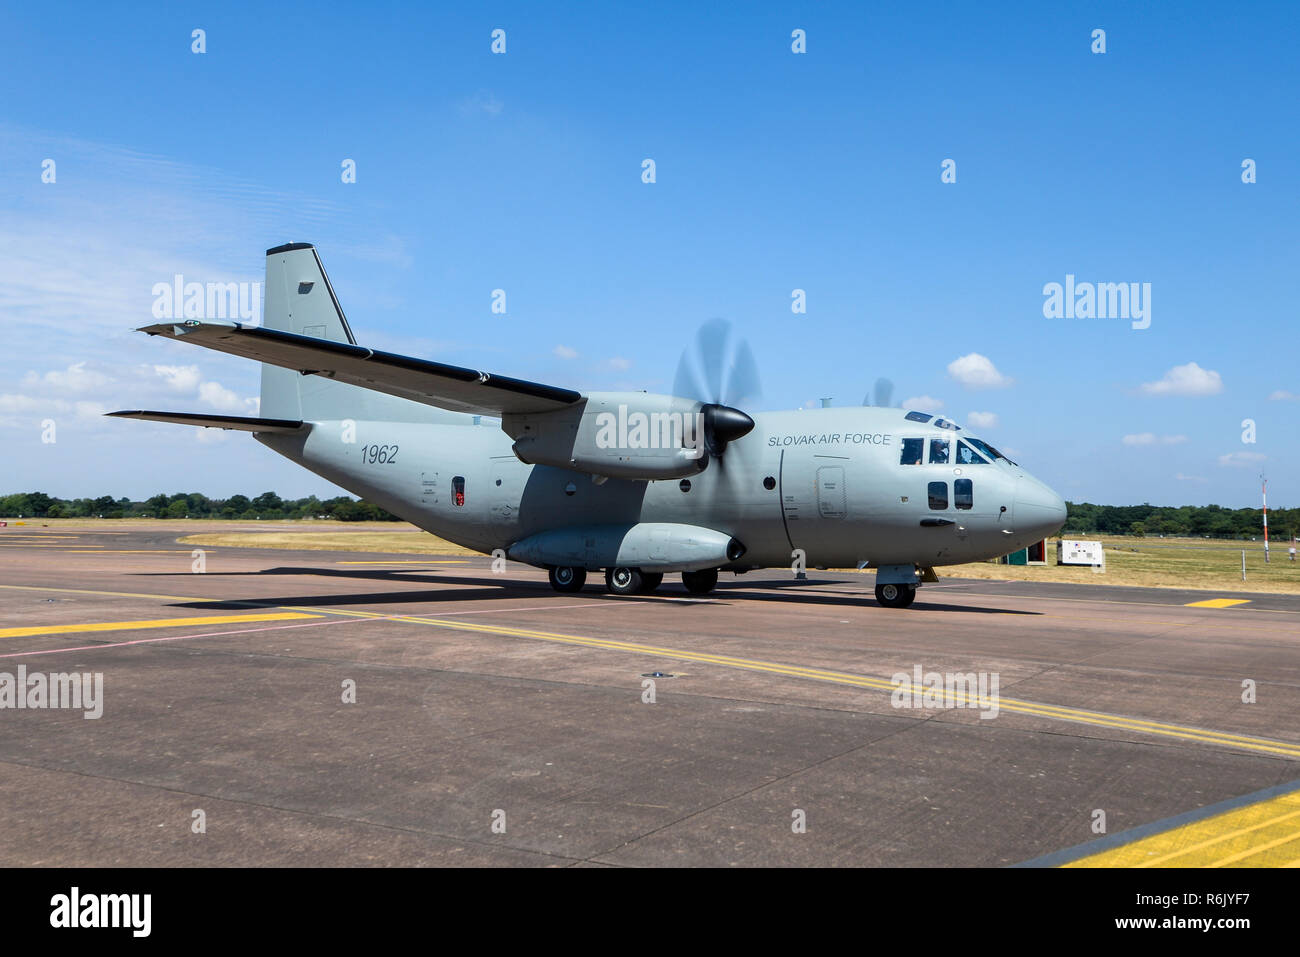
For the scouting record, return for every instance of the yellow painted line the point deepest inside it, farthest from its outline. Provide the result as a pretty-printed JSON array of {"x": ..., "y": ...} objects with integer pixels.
[
  {"x": 1257, "y": 835},
  {"x": 1217, "y": 603},
  {"x": 121, "y": 594},
  {"x": 1038, "y": 709},
  {"x": 1113, "y": 601},
  {"x": 150, "y": 623}
]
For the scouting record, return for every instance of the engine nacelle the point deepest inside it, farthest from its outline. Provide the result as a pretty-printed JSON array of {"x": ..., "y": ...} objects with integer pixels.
[
  {"x": 650, "y": 546},
  {"x": 628, "y": 435}
]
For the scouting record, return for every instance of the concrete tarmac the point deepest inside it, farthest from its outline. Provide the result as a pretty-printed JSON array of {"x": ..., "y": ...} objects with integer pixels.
[{"x": 497, "y": 722}]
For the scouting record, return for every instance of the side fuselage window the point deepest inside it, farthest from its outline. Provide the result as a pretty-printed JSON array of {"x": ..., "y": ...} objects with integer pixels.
[
  {"x": 911, "y": 454},
  {"x": 963, "y": 493},
  {"x": 458, "y": 489},
  {"x": 938, "y": 495},
  {"x": 939, "y": 451},
  {"x": 968, "y": 456}
]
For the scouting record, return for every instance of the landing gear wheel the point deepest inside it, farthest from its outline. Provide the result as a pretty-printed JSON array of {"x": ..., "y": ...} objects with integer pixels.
[
  {"x": 650, "y": 581},
  {"x": 895, "y": 596},
  {"x": 566, "y": 578},
  {"x": 623, "y": 581},
  {"x": 701, "y": 582}
]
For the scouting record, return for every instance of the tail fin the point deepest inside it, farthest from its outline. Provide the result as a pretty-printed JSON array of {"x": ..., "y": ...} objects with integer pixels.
[{"x": 299, "y": 299}]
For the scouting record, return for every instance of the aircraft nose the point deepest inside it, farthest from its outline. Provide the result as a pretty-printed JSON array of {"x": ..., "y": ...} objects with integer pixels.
[{"x": 1039, "y": 510}]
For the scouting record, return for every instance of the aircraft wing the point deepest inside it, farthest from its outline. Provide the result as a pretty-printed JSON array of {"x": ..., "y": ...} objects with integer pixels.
[
  {"x": 432, "y": 383},
  {"x": 243, "y": 423}
]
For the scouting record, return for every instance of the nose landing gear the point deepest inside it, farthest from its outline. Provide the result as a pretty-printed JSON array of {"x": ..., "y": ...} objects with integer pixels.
[{"x": 895, "y": 596}]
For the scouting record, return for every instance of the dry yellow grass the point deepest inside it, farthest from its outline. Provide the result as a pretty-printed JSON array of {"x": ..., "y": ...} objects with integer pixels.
[
  {"x": 1196, "y": 563},
  {"x": 410, "y": 541}
]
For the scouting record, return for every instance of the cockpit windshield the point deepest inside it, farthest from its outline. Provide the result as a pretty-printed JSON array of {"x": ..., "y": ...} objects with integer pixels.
[
  {"x": 988, "y": 450},
  {"x": 967, "y": 455}
]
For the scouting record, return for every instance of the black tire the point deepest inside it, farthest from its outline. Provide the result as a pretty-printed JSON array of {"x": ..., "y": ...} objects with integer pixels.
[
  {"x": 566, "y": 578},
  {"x": 701, "y": 582},
  {"x": 623, "y": 581},
  {"x": 650, "y": 581},
  {"x": 895, "y": 596}
]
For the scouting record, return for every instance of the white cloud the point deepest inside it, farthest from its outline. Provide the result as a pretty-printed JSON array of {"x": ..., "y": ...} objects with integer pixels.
[
  {"x": 179, "y": 378},
  {"x": 76, "y": 379},
  {"x": 11, "y": 404},
  {"x": 1190, "y": 478},
  {"x": 223, "y": 400},
  {"x": 983, "y": 420},
  {"x": 1189, "y": 379},
  {"x": 1282, "y": 394},
  {"x": 1242, "y": 459},
  {"x": 619, "y": 365},
  {"x": 564, "y": 352},
  {"x": 1150, "y": 438},
  {"x": 24, "y": 411},
  {"x": 975, "y": 371},
  {"x": 923, "y": 403}
]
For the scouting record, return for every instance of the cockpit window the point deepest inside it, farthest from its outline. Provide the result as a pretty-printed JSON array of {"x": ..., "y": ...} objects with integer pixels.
[
  {"x": 945, "y": 424},
  {"x": 918, "y": 417},
  {"x": 967, "y": 455},
  {"x": 939, "y": 451},
  {"x": 989, "y": 451},
  {"x": 911, "y": 454}
]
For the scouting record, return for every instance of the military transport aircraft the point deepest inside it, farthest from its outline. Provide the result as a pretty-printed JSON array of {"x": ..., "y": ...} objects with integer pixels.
[{"x": 633, "y": 483}]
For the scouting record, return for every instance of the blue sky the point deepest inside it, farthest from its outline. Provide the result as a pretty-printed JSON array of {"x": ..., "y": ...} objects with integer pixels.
[{"x": 775, "y": 171}]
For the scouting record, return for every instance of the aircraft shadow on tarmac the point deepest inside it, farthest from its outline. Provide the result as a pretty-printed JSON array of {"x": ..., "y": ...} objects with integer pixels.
[{"x": 492, "y": 587}]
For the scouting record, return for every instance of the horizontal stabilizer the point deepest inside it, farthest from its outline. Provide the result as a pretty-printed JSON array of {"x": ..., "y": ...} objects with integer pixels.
[
  {"x": 244, "y": 423},
  {"x": 420, "y": 380}
]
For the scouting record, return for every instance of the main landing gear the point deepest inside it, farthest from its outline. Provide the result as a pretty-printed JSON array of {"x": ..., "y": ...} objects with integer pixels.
[
  {"x": 701, "y": 582},
  {"x": 566, "y": 578},
  {"x": 630, "y": 581},
  {"x": 895, "y": 596}
]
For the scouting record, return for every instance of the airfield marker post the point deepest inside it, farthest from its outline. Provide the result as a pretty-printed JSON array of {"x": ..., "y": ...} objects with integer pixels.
[
  {"x": 1264, "y": 493},
  {"x": 1243, "y": 564}
]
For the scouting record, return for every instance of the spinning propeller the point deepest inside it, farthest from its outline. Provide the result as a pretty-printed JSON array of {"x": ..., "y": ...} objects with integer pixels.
[{"x": 719, "y": 370}]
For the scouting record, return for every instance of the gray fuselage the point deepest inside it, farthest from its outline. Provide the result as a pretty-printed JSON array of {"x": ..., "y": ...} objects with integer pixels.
[{"x": 829, "y": 482}]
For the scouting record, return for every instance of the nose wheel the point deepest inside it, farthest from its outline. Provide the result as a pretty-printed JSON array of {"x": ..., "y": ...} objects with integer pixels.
[{"x": 895, "y": 596}]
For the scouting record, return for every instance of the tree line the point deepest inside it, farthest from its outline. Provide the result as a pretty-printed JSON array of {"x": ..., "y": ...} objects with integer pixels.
[
  {"x": 268, "y": 505},
  {"x": 1195, "y": 521},
  {"x": 1191, "y": 521}
]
